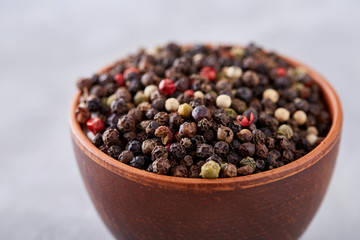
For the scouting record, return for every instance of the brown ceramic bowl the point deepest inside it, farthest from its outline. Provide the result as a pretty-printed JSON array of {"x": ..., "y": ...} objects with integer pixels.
[{"x": 277, "y": 204}]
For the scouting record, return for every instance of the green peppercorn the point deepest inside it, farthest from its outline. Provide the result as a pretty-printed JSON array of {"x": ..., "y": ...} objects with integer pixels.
[
  {"x": 140, "y": 97},
  {"x": 285, "y": 130},
  {"x": 110, "y": 99},
  {"x": 210, "y": 169},
  {"x": 231, "y": 112},
  {"x": 248, "y": 161},
  {"x": 185, "y": 110},
  {"x": 237, "y": 51}
]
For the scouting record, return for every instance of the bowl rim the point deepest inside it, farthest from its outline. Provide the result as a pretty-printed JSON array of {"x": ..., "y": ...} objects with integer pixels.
[{"x": 224, "y": 184}]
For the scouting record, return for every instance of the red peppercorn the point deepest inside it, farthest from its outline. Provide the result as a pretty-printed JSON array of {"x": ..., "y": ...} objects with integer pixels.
[
  {"x": 119, "y": 78},
  {"x": 280, "y": 71},
  {"x": 245, "y": 121},
  {"x": 167, "y": 87},
  {"x": 130, "y": 70},
  {"x": 189, "y": 93},
  {"x": 95, "y": 124},
  {"x": 208, "y": 72}
]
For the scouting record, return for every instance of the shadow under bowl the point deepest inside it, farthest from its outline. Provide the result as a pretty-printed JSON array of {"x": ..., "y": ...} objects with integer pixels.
[{"x": 276, "y": 204}]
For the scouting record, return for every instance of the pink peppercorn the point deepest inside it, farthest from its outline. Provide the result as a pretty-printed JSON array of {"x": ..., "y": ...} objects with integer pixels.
[
  {"x": 189, "y": 93},
  {"x": 208, "y": 72},
  {"x": 95, "y": 124},
  {"x": 130, "y": 70},
  {"x": 280, "y": 71},
  {"x": 167, "y": 87},
  {"x": 119, "y": 78}
]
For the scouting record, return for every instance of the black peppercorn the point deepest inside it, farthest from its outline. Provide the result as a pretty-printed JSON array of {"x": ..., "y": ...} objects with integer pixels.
[
  {"x": 82, "y": 115},
  {"x": 247, "y": 149},
  {"x": 161, "y": 166},
  {"x": 148, "y": 145},
  {"x": 209, "y": 136},
  {"x": 126, "y": 156},
  {"x": 151, "y": 127},
  {"x": 282, "y": 83},
  {"x": 94, "y": 103},
  {"x": 258, "y": 136},
  {"x": 287, "y": 156},
  {"x": 232, "y": 157},
  {"x": 194, "y": 171},
  {"x": 126, "y": 124},
  {"x": 201, "y": 112},
  {"x": 149, "y": 114},
  {"x": 187, "y": 161},
  {"x": 136, "y": 114},
  {"x": 175, "y": 120},
  {"x": 261, "y": 151},
  {"x": 214, "y": 158},
  {"x": 114, "y": 151},
  {"x": 118, "y": 106},
  {"x": 111, "y": 137},
  {"x": 134, "y": 146},
  {"x": 128, "y": 136},
  {"x": 148, "y": 78},
  {"x": 98, "y": 140},
  {"x": 221, "y": 116},
  {"x": 84, "y": 83},
  {"x": 177, "y": 151},
  {"x": 221, "y": 148},
  {"x": 179, "y": 171},
  {"x": 162, "y": 118},
  {"x": 186, "y": 142},
  {"x": 158, "y": 104},
  {"x": 139, "y": 162},
  {"x": 204, "y": 124},
  {"x": 229, "y": 170},
  {"x": 244, "y": 135},
  {"x": 159, "y": 151},
  {"x": 188, "y": 129},
  {"x": 225, "y": 134},
  {"x": 204, "y": 151}
]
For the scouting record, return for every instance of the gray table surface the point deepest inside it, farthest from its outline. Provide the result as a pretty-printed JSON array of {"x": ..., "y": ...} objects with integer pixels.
[{"x": 46, "y": 45}]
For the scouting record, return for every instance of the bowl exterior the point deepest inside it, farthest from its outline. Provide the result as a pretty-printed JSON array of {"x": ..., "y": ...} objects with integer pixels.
[{"x": 280, "y": 209}]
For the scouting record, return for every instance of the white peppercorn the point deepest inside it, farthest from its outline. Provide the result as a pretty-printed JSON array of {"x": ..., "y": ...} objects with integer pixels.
[
  {"x": 282, "y": 114},
  {"x": 311, "y": 138},
  {"x": 172, "y": 104},
  {"x": 199, "y": 94},
  {"x": 223, "y": 101},
  {"x": 312, "y": 130},
  {"x": 300, "y": 117},
  {"x": 149, "y": 90},
  {"x": 271, "y": 94},
  {"x": 233, "y": 72}
]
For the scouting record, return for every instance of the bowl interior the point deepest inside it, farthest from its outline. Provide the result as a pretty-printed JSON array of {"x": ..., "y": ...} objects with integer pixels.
[{"x": 330, "y": 98}]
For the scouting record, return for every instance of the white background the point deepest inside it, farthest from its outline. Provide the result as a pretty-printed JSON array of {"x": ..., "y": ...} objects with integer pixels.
[{"x": 46, "y": 45}]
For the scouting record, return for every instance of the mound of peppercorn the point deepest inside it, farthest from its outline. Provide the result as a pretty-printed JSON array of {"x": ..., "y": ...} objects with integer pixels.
[{"x": 203, "y": 111}]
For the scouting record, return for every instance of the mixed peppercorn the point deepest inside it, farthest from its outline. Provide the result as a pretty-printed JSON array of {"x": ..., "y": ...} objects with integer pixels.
[{"x": 203, "y": 111}]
